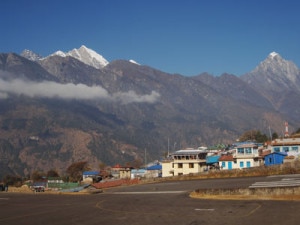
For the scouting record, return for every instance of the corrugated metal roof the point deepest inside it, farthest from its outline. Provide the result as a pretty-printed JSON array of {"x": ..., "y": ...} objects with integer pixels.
[
  {"x": 189, "y": 152},
  {"x": 250, "y": 145},
  {"x": 90, "y": 173},
  {"x": 277, "y": 153},
  {"x": 212, "y": 159},
  {"x": 155, "y": 167}
]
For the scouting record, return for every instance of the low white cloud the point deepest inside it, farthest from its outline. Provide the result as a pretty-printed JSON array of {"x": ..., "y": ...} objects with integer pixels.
[
  {"x": 131, "y": 96},
  {"x": 51, "y": 89}
]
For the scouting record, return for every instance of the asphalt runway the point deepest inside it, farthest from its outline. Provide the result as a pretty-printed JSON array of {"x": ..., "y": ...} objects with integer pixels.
[{"x": 158, "y": 203}]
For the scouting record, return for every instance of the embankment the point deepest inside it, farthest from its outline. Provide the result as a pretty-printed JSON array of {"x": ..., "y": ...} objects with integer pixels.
[{"x": 274, "y": 193}]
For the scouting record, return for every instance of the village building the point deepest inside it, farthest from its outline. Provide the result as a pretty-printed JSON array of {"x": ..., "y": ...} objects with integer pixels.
[
  {"x": 226, "y": 162},
  {"x": 290, "y": 146},
  {"x": 154, "y": 171},
  {"x": 246, "y": 156},
  {"x": 184, "y": 162},
  {"x": 90, "y": 174},
  {"x": 274, "y": 158},
  {"x": 243, "y": 156},
  {"x": 138, "y": 173},
  {"x": 121, "y": 172}
]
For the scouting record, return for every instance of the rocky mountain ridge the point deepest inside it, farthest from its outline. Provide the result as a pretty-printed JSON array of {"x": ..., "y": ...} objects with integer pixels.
[{"x": 117, "y": 113}]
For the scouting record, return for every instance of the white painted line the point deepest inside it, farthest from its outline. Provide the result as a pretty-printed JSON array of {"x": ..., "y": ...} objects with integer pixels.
[
  {"x": 148, "y": 192},
  {"x": 205, "y": 209}
]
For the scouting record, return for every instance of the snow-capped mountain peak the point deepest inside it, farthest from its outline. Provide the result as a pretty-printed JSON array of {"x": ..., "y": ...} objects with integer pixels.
[
  {"x": 274, "y": 73},
  {"x": 30, "y": 55},
  {"x": 59, "y": 53},
  {"x": 273, "y": 54},
  {"x": 85, "y": 55},
  {"x": 88, "y": 56},
  {"x": 275, "y": 66}
]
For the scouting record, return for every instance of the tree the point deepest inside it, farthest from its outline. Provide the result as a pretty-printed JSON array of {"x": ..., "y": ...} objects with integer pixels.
[
  {"x": 52, "y": 173},
  {"x": 274, "y": 136},
  {"x": 102, "y": 165},
  {"x": 255, "y": 135},
  {"x": 76, "y": 169},
  {"x": 12, "y": 180},
  {"x": 37, "y": 175}
]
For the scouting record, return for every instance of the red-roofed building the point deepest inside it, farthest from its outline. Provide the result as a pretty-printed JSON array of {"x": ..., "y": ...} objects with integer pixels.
[
  {"x": 121, "y": 172},
  {"x": 226, "y": 162},
  {"x": 244, "y": 156}
]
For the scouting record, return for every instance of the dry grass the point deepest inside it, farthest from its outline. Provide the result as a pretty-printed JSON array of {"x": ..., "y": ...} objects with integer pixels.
[
  {"x": 286, "y": 168},
  {"x": 282, "y": 193}
]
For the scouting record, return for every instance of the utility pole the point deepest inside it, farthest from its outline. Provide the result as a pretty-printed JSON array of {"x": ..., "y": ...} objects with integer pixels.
[{"x": 145, "y": 158}]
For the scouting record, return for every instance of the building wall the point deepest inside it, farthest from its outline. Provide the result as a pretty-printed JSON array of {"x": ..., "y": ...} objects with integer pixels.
[
  {"x": 273, "y": 159},
  {"x": 167, "y": 169},
  {"x": 291, "y": 146},
  {"x": 182, "y": 167},
  {"x": 225, "y": 165},
  {"x": 125, "y": 174},
  {"x": 290, "y": 149},
  {"x": 240, "y": 163}
]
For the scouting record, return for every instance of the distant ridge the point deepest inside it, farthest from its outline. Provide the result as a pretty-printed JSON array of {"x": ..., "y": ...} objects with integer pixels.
[{"x": 111, "y": 115}]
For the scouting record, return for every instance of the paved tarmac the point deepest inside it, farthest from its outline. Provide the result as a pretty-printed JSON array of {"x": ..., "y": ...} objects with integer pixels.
[{"x": 159, "y": 203}]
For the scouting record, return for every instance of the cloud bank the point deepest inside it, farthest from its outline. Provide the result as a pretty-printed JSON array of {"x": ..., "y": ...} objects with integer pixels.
[{"x": 49, "y": 89}]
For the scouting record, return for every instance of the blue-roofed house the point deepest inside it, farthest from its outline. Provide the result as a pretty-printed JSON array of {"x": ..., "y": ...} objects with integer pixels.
[
  {"x": 90, "y": 174},
  {"x": 154, "y": 171},
  {"x": 274, "y": 158}
]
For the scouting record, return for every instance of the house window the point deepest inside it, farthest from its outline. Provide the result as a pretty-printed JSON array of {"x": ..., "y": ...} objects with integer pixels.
[
  {"x": 241, "y": 150},
  {"x": 241, "y": 164},
  {"x": 223, "y": 164},
  {"x": 172, "y": 165},
  {"x": 248, "y": 164},
  {"x": 270, "y": 160},
  {"x": 285, "y": 149},
  {"x": 191, "y": 165},
  {"x": 295, "y": 148},
  {"x": 179, "y": 165},
  {"x": 248, "y": 151},
  {"x": 276, "y": 149}
]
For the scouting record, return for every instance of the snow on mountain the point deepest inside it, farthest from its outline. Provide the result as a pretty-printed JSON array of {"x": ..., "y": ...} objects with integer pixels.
[
  {"x": 30, "y": 55},
  {"x": 134, "y": 62},
  {"x": 85, "y": 55},
  {"x": 88, "y": 56},
  {"x": 59, "y": 53},
  {"x": 273, "y": 54},
  {"x": 274, "y": 66}
]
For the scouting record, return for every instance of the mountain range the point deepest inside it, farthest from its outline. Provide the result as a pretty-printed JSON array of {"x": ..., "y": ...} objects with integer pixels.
[{"x": 77, "y": 106}]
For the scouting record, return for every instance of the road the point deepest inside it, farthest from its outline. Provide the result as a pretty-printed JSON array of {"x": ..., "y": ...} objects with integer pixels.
[{"x": 158, "y": 203}]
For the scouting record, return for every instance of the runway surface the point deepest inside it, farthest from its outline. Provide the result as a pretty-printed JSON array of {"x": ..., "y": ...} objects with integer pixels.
[{"x": 158, "y": 203}]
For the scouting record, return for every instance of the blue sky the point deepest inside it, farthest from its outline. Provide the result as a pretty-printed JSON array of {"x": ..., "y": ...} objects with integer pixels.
[{"x": 186, "y": 37}]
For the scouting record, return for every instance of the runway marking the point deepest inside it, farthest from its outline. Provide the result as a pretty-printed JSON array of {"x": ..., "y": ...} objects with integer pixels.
[
  {"x": 147, "y": 192},
  {"x": 253, "y": 211},
  {"x": 204, "y": 209}
]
